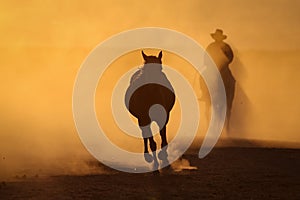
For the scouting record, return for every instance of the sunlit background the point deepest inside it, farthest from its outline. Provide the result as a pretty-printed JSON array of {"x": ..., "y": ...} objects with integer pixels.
[{"x": 43, "y": 44}]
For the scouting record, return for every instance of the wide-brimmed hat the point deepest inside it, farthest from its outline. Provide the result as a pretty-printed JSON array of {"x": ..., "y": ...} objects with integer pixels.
[{"x": 218, "y": 34}]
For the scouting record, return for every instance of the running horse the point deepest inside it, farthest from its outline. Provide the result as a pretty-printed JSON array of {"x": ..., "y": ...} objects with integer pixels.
[{"x": 150, "y": 97}]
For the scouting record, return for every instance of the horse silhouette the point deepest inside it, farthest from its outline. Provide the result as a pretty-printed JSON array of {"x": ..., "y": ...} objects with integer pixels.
[{"x": 150, "y": 98}]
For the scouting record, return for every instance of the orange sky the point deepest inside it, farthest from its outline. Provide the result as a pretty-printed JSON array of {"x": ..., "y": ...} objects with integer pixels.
[{"x": 251, "y": 25}]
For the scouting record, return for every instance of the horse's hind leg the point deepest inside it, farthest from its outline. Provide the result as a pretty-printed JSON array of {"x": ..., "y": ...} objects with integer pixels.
[
  {"x": 147, "y": 134},
  {"x": 163, "y": 136},
  {"x": 163, "y": 132},
  {"x": 163, "y": 155},
  {"x": 153, "y": 149},
  {"x": 147, "y": 156},
  {"x": 146, "y": 145},
  {"x": 152, "y": 144}
]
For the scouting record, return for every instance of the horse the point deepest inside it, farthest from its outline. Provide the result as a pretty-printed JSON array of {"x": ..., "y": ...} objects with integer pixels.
[{"x": 150, "y": 97}]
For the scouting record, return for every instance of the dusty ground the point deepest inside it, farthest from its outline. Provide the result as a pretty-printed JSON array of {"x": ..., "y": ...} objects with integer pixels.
[{"x": 226, "y": 173}]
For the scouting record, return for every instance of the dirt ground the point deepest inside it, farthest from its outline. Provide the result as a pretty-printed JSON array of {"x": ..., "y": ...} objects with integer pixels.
[{"x": 226, "y": 173}]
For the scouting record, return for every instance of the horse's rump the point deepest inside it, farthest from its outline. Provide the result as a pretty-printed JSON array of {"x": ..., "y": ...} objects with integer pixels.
[{"x": 144, "y": 92}]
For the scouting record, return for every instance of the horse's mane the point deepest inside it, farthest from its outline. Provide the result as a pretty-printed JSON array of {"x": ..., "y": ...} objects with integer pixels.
[
  {"x": 147, "y": 68},
  {"x": 136, "y": 75}
]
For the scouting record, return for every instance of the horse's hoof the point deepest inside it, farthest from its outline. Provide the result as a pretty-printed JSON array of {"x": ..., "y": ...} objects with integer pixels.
[
  {"x": 156, "y": 173},
  {"x": 155, "y": 165},
  {"x": 148, "y": 157},
  {"x": 163, "y": 155}
]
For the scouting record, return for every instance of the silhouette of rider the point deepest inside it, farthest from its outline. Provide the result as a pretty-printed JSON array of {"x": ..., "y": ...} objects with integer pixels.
[
  {"x": 222, "y": 55},
  {"x": 220, "y": 51}
]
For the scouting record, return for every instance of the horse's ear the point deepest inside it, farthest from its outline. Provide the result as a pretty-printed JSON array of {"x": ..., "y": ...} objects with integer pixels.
[
  {"x": 160, "y": 55},
  {"x": 144, "y": 55}
]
